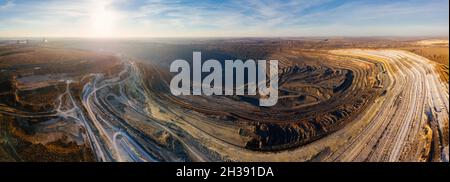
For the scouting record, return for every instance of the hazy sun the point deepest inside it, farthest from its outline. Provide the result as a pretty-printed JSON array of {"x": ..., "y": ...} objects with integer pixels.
[{"x": 102, "y": 22}]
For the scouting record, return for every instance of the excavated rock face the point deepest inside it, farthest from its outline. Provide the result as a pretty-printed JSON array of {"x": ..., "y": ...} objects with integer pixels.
[
  {"x": 61, "y": 104},
  {"x": 32, "y": 90},
  {"x": 317, "y": 95}
]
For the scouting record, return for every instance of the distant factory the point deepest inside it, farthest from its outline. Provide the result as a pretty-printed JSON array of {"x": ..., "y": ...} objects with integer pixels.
[{"x": 31, "y": 41}]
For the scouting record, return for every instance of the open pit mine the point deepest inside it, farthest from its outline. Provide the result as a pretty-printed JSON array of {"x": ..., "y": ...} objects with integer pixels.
[{"x": 334, "y": 104}]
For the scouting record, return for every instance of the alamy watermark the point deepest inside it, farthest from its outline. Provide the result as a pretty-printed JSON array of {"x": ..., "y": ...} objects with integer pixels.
[{"x": 212, "y": 83}]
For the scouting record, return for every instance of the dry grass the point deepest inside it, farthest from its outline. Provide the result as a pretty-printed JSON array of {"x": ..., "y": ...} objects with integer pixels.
[{"x": 437, "y": 54}]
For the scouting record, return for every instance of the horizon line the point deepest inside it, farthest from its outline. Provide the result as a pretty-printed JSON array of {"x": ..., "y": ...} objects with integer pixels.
[{"x": 241, "y": 37}]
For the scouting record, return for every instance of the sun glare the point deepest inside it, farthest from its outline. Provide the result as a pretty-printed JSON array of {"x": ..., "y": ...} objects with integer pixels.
[{"x": 102, "y": 21}]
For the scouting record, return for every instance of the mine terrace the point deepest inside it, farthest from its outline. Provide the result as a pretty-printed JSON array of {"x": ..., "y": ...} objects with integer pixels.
[{"x": 343, "y": 99}]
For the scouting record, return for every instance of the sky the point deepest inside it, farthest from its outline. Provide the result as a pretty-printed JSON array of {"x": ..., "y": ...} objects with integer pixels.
[{"x": 223, "y": 18}]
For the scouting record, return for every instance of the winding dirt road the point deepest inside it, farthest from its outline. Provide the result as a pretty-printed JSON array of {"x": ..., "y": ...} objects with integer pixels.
[
  {"x": 408, "y": 122},
  {"x": 415, "y": 100},
  {"x": 126, "y": 119}
]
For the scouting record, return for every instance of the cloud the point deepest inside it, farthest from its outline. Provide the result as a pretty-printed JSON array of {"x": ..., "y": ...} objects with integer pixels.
[
  {"x": 7, "y": 5},
  {"x": 231, "y": 18}
]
